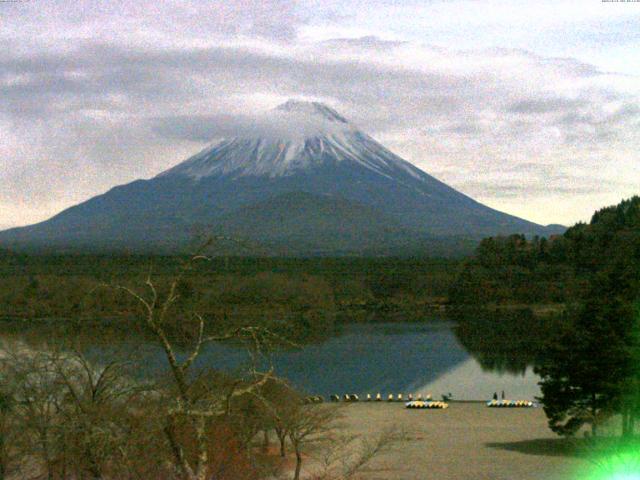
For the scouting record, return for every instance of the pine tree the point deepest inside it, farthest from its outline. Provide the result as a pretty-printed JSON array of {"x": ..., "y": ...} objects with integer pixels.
[
  {"x": 582, "y": 373},
  {"x": 592, "y": 368}
]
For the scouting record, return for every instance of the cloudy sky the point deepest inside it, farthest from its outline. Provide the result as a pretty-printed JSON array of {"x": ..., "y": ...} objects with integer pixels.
[{"x": 530, "y": 107}]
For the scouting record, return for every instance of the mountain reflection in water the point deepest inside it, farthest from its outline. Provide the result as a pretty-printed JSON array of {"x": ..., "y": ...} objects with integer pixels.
[{"x": 370, "y": 358}]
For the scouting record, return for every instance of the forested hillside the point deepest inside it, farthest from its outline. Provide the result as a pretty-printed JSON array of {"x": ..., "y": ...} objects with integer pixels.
[{"x": 515, "y": 270}]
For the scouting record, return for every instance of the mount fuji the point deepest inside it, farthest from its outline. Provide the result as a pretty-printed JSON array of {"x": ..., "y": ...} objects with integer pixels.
[{"x": 307, "y": 182}]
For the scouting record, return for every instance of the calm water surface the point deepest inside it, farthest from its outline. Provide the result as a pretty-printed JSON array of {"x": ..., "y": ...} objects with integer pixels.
[
  {"x": 386, "y": 358},
  {"x": 360, "y": 358}
]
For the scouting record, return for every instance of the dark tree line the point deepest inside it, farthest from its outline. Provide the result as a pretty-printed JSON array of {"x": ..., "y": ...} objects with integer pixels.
[
  {"x": 589, "y": 360},
  {"x": 592, "y": 368},
  {"x": 517, "y": 270},
  {"x": 63, "y": 287}
]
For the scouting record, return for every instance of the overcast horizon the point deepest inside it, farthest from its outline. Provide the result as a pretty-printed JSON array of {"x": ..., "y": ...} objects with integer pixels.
[{"x": 530, "y": 109}]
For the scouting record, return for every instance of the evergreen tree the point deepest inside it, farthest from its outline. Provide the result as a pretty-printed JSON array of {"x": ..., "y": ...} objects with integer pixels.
[
  {"x": 583, "y": 371},
  {"x": 592, "y": 368}
]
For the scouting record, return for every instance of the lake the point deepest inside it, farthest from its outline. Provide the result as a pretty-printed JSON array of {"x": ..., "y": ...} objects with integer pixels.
[
  {"x": 398, "y": 358},
  {"x": 360, "y": 358},
  {"x": 369, "y": 358}
]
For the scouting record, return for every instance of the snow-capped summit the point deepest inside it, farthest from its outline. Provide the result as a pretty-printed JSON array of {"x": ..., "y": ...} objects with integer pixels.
[{"x": 327, "y": 138}]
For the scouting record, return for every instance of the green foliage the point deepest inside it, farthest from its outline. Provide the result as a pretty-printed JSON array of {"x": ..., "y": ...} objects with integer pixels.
[
  {"x": 561, "y": 269},
  {"x": 582, "y": 372},
  {"x": 591, "y": 369},
  {"x": 514, "y": 270}
]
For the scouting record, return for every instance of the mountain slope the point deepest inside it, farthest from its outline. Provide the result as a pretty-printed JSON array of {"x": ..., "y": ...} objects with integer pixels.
[
  {"x": 307, "y": 182},
  {"x": 304, "y": 223}
]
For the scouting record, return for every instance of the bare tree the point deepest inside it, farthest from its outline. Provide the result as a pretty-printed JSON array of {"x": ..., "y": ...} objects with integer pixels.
[
  {"x": 306, "y": 425},
  {"x": 281, "y": 403},
  {"x": 37, "y": 401},
  {"x": 192, "y": 401},
  {"x": 344, "y": 457},
  {"x": 95, "y": 405},
  {"x": 7, "y": 426},
  {"x": 68, "y": 417}
]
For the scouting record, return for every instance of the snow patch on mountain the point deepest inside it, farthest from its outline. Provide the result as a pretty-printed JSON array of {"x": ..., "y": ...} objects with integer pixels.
[{"x": 316, "y": 135}]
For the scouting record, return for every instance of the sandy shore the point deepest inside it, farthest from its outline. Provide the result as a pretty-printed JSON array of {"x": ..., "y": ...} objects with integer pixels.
[{"x": 466, "y": 441}]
